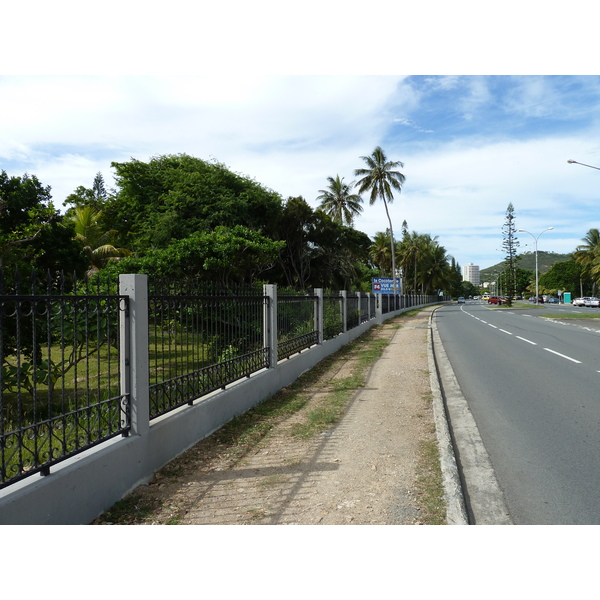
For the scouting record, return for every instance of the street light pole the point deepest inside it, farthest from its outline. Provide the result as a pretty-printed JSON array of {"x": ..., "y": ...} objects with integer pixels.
[
  {"x": 536, "y": 259},
  {"x": 574, "y": 162}
]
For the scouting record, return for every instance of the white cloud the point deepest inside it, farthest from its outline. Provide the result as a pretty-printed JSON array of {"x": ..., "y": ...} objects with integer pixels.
[{"x": 290, "y": 133}]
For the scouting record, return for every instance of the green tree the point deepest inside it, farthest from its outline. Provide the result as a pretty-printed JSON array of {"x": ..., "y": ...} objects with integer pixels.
[
  {"x": 435, "y": 268},
  {"x": 318, "y": 251},
  {"x": 337, "y": 252},
  {"x": 96, "y": 196},
  {"x": 381, "y": 254},
  {"x": 339, "y": 202},
  {"x": 412, "y": 249},
  {"x": 524, "y": 279},
  {"x": 466, "y": 289},
  {"x": 172, "y": 196},
  {"x": 379, "y": 178},
  {"x": 227, "y": 256},
  {"x": 564, "y": 275},
  {"x": 510, "y": 245},
  {"x": 456, "y": 285},
  {"x": 99, "y": 246},
  {"x": 294, "y": 227},
  {"x": 588, "y": 256},
  {"x": 33, "y": 234}
]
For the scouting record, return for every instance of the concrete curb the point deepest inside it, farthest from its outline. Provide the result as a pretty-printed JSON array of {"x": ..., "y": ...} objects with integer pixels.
[
  {"x": 482, "y": 498},
  {"x": 456, "y": 513}
]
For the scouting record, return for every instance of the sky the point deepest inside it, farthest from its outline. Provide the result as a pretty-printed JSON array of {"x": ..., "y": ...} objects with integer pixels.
[
  {"x": 469, "y": 145},
  {"x": 262, "y": 100}
]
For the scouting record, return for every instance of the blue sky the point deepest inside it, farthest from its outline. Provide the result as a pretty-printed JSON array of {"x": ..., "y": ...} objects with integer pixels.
[{"x": 470, "y": 144}]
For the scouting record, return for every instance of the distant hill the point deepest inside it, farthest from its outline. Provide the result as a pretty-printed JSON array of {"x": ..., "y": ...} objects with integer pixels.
[{"x": 527, "y": 261}]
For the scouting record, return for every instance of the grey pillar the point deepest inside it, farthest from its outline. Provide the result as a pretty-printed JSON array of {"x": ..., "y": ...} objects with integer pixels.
[
  {"x": 135, "y": 360},
  {"x": 270, "y": 323}
]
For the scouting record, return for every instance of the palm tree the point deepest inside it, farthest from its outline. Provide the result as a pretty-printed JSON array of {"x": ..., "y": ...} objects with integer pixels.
[
  {"x": 339, "y": 202},
  {"x": 411, "y": 249},
  {"x": 380, "y": 252},
  {"x": 588, "y": 255},
  {"x": 98, "y": 244},
  {"x": 379, "y": 178},
  {"x": 436, "y": 274}
]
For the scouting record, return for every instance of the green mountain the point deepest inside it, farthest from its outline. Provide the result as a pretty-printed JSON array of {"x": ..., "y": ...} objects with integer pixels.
[{"x": 527, "y": 262}]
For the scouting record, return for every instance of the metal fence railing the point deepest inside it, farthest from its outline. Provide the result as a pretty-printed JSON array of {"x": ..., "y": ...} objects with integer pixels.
[
  {"x": 59, "y": 372},
  {"x": 69, "y": 351},
  {"x": 201, "y": 341},
  {"x": 296, "y": 324},
  {"x": 333, "y": 319}
]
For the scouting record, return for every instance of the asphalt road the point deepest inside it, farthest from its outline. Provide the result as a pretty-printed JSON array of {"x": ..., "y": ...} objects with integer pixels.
[{"x": 532, "y": 386}]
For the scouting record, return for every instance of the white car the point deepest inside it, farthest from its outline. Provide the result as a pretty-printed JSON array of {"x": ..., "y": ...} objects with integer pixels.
[
  {"x": 592, "y": 302},
  {"x": 579, "y": 301}
]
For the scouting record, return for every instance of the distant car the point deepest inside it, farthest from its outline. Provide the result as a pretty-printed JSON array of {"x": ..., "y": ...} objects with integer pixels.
[
  {"x": 580, "y": 301},
  {"x": 592, "y": 302},
  {"x": 552, "y": 300},
  {"x": 461, "y": 300},
  {"x": 499, "y": 300}
]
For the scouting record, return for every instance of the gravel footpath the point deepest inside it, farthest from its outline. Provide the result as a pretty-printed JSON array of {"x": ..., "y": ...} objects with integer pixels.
[{"x": 364, "y": 470}]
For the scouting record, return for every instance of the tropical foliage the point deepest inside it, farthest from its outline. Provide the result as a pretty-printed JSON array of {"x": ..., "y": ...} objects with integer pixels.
[
  {"x": 179, "y": 216},
  {"x": 565, "y": 275},
  {"x": 33, "y": 234},
  {"x": 587, "y": 255},
  {"x": 379, "y": 178},
  {"x": 98, "y": 244},
  {"x": 339, "y": 202}
]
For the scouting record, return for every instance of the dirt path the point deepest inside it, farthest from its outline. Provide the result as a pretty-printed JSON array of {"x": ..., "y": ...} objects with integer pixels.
[{"x": 372, "y": 467}]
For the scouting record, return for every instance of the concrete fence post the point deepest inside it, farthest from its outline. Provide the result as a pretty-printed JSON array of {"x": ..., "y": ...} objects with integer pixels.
[
  {"x": 319, "y": 314},
  {"x": 344, "y": 311},
  {"x": 135, "y": 361},
  {"x": 270, "y": 323},
  {"x": 378, "y": 307}
]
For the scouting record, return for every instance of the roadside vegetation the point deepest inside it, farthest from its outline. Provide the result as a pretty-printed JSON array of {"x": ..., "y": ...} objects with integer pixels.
[{"x": 571, "y": 316}]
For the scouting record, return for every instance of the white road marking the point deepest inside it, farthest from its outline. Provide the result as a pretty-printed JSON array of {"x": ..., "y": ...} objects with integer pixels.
[
  {"x": 504, "y": 331},
  {"x": 526, "y": 340},
  {"x": 563, "y": 356}
]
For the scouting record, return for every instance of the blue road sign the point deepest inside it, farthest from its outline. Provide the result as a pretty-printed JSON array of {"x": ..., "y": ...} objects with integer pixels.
[{"x": 384, "y": 285}]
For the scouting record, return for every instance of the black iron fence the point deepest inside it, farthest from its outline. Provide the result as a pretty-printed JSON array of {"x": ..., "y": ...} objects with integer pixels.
[
  {"x": 59, "y": 371},
  {"x": 296, "y": 323},
  {"x": 65, "y": 354},
  {"x": 201, "y": 340}
]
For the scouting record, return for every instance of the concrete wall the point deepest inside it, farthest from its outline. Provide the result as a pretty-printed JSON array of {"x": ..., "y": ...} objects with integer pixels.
[{"x": 80, "y": 489}]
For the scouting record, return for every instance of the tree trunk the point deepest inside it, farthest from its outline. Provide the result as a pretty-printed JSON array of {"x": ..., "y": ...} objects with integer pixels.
[{"x": 392, "y": 244}]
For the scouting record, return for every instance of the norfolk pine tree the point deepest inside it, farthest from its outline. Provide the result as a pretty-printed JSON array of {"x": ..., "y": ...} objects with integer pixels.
[{"x": 510, "y": 245}]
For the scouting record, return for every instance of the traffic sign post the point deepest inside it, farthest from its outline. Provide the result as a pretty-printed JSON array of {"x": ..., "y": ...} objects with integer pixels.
[{"x": 385, "y": 285}]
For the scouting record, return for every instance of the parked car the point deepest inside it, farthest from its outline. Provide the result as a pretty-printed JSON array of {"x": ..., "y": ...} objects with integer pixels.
[
  {"x": 499, "y": 300},
  {"x": 580, "y": 301},
  {"x": 461, "y": 300},
  {"x": 592, "y": 302},
  {"x": 552, "y": 300}
]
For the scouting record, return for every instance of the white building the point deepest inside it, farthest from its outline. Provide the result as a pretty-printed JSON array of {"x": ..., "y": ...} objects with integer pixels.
[{"x": 471, "y": 273}]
